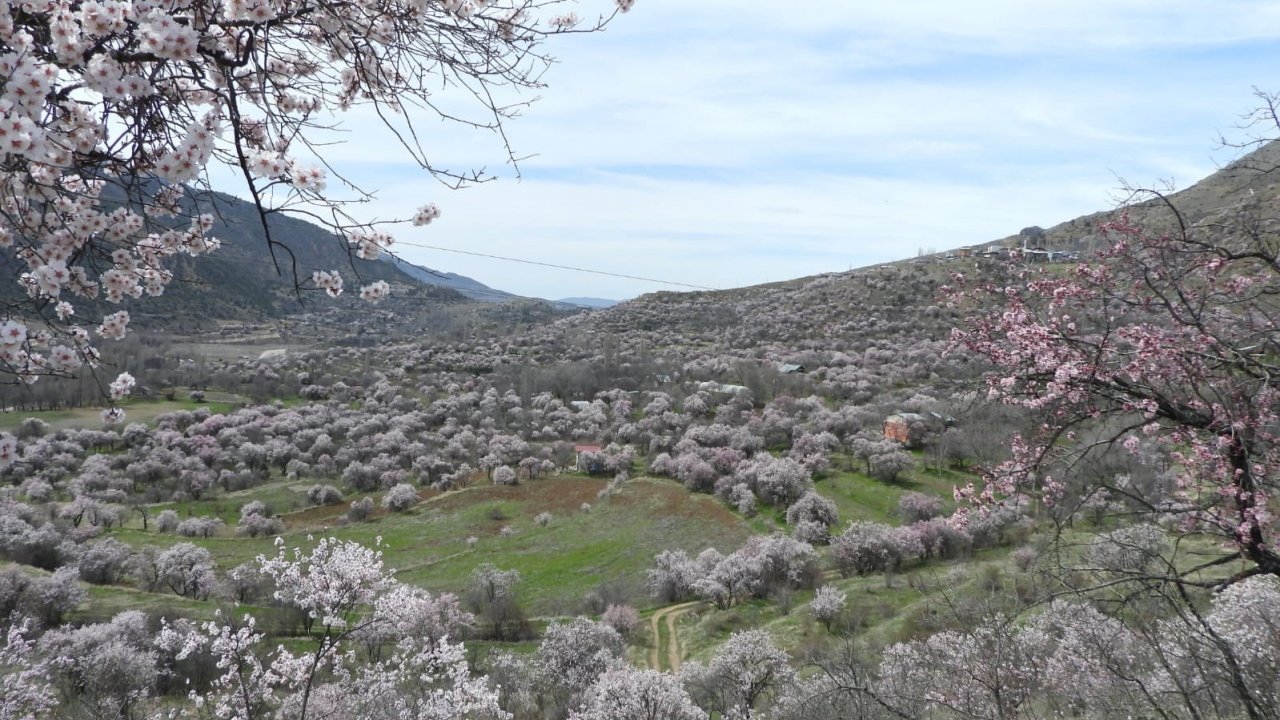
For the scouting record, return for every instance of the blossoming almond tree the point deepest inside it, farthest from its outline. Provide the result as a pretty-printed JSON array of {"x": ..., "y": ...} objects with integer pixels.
[
  {"x": 1167, "y": 339},
  {"x": 113, "y": 112},
  {"x": 418, "y": 673}
]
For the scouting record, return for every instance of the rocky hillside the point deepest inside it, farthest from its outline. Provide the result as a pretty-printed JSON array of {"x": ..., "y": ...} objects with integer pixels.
[{"x": 1221, "y": 194}]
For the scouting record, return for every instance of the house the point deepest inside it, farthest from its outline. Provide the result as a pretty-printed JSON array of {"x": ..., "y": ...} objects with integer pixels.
[
  {"x": 594, "y": 460},
  {"x": 790, "y": 368},
  {"x": 905, "y": 428}
]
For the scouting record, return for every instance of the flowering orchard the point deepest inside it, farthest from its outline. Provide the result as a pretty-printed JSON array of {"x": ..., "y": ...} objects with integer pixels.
[{"x": 112, "y": 114}]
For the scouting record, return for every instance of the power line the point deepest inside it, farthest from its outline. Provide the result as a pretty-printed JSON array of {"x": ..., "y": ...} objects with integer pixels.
[
  {"x": 553, "y": 265},
  {"x": 538, "y": 263},
  {"x": 500, "y": 295}
]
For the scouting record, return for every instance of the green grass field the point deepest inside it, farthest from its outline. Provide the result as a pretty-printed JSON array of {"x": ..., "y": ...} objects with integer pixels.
[
  {"x": 613, "y": 542},
  {"x": 143, "y": 411}
]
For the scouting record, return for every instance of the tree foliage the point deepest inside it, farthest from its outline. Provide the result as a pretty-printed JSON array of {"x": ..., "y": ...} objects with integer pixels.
[{"x": 1167, "y": 338}]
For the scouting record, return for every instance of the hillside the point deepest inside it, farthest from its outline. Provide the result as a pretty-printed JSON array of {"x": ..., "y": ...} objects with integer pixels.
[
  {"x": 591, "y": 302},
  {"x": 473, "y": 289},
  {"x": 1219, "y": 195},
  {"x": 893, "y": 304},
  {"x": 241, "y": 282}
]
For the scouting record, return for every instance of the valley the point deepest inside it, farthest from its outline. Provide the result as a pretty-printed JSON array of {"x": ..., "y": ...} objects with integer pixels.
[{"x": 822, "y": 498}]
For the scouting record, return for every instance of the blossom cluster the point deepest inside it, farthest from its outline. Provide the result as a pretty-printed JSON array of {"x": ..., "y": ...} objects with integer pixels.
[
  {"x": 375, "y": 291},
  {"x": 329, "y": 281},
  {"x": 426, "y": 214}
]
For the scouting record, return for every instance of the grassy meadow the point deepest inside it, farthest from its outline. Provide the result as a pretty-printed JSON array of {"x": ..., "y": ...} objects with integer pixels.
[
  {"x": 612, "y": 542},
  {"x": 136, "y": 410}
]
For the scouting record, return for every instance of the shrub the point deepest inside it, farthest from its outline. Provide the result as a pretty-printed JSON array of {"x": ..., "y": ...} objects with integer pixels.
[
  {"x": 914, "y": 507},
  {"x": 400, "y": 498},
  {"x": 622, "y": 618},
  {"x": 324, "y": 495},
  {"x": 167, "y": 521},
  {"x": 199, "y": 527},
  {"x": 360, "y": 510}
]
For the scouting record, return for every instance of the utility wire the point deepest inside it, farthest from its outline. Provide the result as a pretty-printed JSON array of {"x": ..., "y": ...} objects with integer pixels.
[
  {"x": 224, "y": 253},
  {"x": 553, "y": 265},
  {"x": 542, "y": 264}
]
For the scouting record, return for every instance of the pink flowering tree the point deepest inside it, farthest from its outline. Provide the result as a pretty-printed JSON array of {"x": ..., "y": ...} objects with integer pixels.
[
  {"x": 1167, "y": 338},
  {"x": 627, "y": 693},
  {"x": 743, "y": 675},
  {"x": 27, "y": 690},
  {"x": 989, "y": 672},
  {"x": 115, "y": 115},
  {"x": 418, "y": 673},
  {"x": 828, "y": 605}
]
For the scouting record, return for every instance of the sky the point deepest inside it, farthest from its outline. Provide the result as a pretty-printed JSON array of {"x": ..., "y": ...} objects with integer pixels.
[{"x": 725, "y": 143}]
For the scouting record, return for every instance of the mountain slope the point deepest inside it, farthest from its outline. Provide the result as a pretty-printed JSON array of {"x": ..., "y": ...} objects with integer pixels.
[
  {"x": 870, "y": 328},
  {"x": 473, "y": 289},
  {"x": 241, "y": 281},
  {"x": 1221, "y": 193},
  {"x": 591, "y": 302}
]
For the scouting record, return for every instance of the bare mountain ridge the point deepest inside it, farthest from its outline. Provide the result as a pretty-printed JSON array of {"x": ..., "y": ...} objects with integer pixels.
[{"x": 473, "y": 289}]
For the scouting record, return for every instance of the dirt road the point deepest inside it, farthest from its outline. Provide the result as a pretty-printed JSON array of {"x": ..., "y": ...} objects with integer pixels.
[{"x": 667, "y": 617}]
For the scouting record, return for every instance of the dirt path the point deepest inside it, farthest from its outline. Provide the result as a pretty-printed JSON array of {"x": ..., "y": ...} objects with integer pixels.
[{"x": 667, "y": 617}]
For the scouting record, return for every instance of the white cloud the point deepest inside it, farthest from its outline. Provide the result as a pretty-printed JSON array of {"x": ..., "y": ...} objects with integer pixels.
[{"x": 729, "y": 142}]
